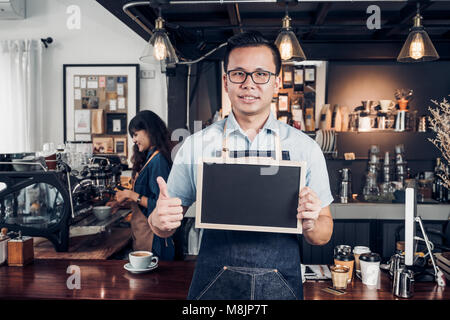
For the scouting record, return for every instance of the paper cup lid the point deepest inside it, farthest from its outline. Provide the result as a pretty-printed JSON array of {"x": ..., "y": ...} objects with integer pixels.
[
  {"x": 370, "y": 257},
  {"x": 361, "y": 249},
  {"x": 344, "y": 257}
]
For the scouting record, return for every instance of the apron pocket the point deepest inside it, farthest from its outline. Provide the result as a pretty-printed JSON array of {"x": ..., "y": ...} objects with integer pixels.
[
  {"x": 229, "y": 284},
  {"x": 273, "y": 286},
  {"x": 243, "y": 283}
]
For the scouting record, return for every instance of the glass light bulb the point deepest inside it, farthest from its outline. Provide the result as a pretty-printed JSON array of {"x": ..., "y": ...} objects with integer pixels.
[
  {"x": 159, "y": 50},
  {"x": 286, "y": 49},
  {"x": 417, "y": 48}
]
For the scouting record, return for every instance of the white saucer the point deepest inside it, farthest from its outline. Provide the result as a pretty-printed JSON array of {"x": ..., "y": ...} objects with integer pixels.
[{"x": 130, "y": 268}]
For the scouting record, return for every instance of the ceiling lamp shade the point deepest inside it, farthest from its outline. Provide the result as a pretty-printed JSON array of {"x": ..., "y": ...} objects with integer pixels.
[
  {"x": 159, "y": 47},
  {"x": 418, "y": 46},
  {"x": 287, "y": 43}
]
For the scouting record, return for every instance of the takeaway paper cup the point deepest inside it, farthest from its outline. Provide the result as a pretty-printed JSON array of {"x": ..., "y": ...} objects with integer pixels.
[{"x": 370, "y": 268}]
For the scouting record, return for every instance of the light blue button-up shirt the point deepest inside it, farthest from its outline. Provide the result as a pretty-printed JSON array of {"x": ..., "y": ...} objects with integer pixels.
[{"x": 207, "y": 143}]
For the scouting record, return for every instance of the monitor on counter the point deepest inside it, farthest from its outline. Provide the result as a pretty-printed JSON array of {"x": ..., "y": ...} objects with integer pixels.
[{"x": 410, "y": 224}]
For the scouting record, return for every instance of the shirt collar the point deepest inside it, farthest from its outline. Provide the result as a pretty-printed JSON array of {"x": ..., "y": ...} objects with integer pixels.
[
  {"x": 150, "y": 152},
  {"x": 270, "y": 125}
]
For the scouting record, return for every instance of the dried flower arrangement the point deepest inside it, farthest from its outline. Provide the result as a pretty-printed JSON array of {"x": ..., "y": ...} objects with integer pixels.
[{"x": 440, "y": 123}]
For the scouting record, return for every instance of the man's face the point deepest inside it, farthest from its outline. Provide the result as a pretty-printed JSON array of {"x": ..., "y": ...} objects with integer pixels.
[{"x": 249, "y": 98}]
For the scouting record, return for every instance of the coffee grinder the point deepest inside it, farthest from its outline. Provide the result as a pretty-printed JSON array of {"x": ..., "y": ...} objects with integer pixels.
[
  {"x": 387, "y": 187},
  {"x": 401, "y": 170},
  {"x": 345, "y": 185},
  {"x": 371, "y": 191}
]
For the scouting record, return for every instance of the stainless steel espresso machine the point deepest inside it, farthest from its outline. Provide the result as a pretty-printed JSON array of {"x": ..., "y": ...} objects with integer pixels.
[{"x": 53, "y": 203}]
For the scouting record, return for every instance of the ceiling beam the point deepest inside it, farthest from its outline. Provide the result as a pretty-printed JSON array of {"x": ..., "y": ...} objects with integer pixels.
[
  {"x": 319, "y": 19},
  {"x": 404, "y": 18},
  {"x": 235, "y": 17},
  {"x": 446, "y": 35}
]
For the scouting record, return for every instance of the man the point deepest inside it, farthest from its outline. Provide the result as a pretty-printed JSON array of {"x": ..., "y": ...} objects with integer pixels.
[{"x": 242, "y": 264}]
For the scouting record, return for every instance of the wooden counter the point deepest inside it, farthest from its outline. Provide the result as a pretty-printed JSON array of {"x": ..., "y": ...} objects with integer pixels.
[
  {"x": 100, "y": 279},
  {"x": 312, "y": 290},
  {"x": 107, "y": 279}
]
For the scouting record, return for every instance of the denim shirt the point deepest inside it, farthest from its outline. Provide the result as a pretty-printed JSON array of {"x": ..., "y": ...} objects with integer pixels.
[
  {"x": 147, "y": 186},
  {"x": 207, "y": 143}
]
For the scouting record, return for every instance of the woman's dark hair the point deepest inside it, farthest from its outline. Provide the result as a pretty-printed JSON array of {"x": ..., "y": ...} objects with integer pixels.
[
  {"x": 158, "y": 134},
  {"x": 251, "y": 39}
]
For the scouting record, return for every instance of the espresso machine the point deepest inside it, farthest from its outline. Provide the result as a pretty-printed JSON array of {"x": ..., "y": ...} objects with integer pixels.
[{"x": 46, "y": 203}]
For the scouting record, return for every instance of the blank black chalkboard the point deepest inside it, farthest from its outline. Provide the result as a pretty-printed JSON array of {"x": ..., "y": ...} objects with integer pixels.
[{"x": 238, "y": 197}]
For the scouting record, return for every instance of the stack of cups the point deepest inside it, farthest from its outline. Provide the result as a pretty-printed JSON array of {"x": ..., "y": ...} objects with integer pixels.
[
  {"x": 357, "y": 251},
  {"x": 370, "y": 268}
]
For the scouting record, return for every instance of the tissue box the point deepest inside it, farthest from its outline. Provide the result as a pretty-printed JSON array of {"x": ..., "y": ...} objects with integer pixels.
[{"x": 20, "y": 251}]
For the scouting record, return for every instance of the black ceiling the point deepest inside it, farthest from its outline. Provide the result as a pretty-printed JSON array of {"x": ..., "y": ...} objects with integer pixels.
[{"x": 326, "y": 29}]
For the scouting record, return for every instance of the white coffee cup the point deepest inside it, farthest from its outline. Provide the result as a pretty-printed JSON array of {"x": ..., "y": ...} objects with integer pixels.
[
  {"x": 357, "y": 251},
  {"x": 370, "y": 268},
  {"x": 142, "y": 259},
  {"x": 386, "y": 105}
]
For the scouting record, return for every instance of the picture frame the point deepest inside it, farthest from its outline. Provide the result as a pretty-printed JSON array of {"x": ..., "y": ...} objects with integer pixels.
[
  {"x": 90, "y": 87},
  {"x": 103, "y": 145},
  {"x": 82, "y": 121},
  {"x": 283, "y": 102},
  {"x": 288, "y": 77},
  {"x": 298, "y": 78},
  {"x": 120, "y": 146},
  {"x": 310, "y": 74},
  {"x": 116, "y": 123}
]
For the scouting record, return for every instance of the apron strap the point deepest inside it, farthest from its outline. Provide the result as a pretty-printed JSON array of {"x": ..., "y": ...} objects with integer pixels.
[
  {"x": 148, "y": 161},
  {"x": 225, "y": 150}
]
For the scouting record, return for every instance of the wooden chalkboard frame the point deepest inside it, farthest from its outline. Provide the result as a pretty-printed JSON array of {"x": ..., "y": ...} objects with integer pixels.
[{"x": 199, "y": 223}]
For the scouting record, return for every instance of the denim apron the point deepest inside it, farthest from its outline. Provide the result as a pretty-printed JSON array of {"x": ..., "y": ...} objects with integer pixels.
[{"x": 246, "y": 265}]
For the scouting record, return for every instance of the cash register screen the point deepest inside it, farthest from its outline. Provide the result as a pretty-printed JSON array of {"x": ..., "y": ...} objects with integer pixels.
[{"x": 410, "y": 224}]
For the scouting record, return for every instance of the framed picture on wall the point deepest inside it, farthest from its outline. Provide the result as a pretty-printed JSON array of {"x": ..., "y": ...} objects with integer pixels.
[
  {"x": 116, "y": 123},
  {"x": 283, "y": 102},
  {"x": 100, "y": 93},
  {"x": 287, "y": 77},
  {"x": 120, "y": 146},
  {"x": 103, "y": 145}
]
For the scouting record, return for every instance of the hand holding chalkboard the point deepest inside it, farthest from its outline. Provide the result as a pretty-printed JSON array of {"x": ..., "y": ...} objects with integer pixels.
[
  {"x": 309, "y": 207},
  {"x": 168, "y": 212}
]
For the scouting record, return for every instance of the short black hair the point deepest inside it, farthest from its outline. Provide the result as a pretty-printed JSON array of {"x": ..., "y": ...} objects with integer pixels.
[{"x": 251, "y": 39}]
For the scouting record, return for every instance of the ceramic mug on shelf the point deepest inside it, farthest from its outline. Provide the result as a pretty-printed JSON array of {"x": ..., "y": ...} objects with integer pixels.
[{"x": 386, "y": 105}]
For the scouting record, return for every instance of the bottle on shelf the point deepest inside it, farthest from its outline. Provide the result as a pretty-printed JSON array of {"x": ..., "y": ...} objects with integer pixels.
[
  {"x": 371, "y": 191},
  {"x": 387, "y": 188},
  {"x": 401, "y": 170},
  {"x": 440, "y": 193}
]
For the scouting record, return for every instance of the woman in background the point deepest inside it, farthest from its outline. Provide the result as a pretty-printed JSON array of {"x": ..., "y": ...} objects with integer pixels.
[{"x": 151, "y": 158}]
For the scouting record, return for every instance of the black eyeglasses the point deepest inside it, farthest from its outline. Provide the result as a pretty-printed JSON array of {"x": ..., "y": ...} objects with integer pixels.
[{"x": 258, "y": 77}]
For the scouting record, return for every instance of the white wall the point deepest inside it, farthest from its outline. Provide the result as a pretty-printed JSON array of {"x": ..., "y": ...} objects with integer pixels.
[{"x": 102, "y": 38}]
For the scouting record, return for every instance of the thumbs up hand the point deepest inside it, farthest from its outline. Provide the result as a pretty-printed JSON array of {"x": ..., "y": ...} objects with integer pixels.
[{"x": 168, "y": 212}]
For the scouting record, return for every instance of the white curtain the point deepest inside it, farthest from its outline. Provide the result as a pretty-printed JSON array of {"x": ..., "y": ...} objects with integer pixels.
[{"x": 21, "y": 110}]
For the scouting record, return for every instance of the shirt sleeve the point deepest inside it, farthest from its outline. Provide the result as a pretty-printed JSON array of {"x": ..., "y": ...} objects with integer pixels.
[
  {"x": 159, "y": 168},
  {"x": 181, "y": 182},
  {"x": 317, "y": 176}
]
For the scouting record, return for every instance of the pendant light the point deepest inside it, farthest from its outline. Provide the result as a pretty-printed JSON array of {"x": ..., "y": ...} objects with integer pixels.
[
  {"x": 418, "y": 46},
  {"x": 159, "y": 47},
  {"x": 287, "y": 43}
]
